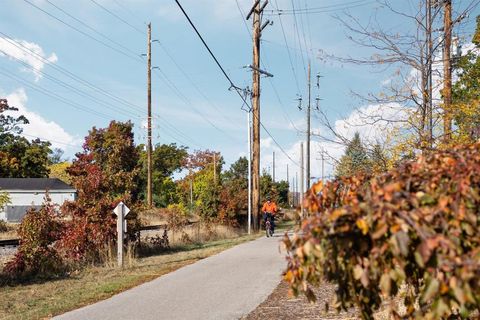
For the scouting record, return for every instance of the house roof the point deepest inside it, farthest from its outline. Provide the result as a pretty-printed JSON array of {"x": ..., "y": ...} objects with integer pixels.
[{"x": 33, "y": 184}]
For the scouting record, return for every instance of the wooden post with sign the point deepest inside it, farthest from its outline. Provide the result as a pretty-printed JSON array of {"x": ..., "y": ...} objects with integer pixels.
[{"x": 121, "y": 210}]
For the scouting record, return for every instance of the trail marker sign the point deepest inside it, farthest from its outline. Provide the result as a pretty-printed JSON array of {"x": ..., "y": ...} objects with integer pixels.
[{"x": 121, "y": 210}]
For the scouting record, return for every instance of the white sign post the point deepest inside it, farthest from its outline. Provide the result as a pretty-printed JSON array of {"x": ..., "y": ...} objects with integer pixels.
[{"x": 121, "y": 210}]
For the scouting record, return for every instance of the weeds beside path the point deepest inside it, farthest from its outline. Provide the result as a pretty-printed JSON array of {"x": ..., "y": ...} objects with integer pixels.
[{"x": 44, "y": 300}]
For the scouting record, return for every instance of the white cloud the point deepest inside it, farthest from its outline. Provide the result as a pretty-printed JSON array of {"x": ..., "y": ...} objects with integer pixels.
[
  {"x": 372, "y": 121},
  {"x": 41, "y": 127},
  {"x": 361, "y": 120},
  {"x": 27, "y": 52},
  {"x": 266, "y": 143}
]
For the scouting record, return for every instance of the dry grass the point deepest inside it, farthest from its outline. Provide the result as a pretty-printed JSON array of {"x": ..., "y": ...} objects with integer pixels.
[
  {"x": 11, "y": 232},
  {"x": 46, "y": 299},
  {"x": 197, "y": 233},
  {"x": 153, "y": 217}
]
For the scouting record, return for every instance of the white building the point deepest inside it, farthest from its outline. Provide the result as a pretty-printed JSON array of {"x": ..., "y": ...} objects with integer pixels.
[{"x": 26, "y": 193}]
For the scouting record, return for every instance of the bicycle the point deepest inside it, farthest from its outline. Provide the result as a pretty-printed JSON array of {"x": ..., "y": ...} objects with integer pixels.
[{"x": 268, "y": 225}]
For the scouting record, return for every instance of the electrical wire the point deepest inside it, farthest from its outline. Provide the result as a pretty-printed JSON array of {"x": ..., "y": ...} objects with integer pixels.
[
  {"x": 142, "y": 32},
  {"x": 324, "y": 9},
  {"x": 288, "y": 51},
  {"x": 269, "y": 78},
  {"x": 232, "y": 85},
  {"x": 51, "y": 94},
  {"x": 128, "y": 55},
  {"x": 194, "y": 85},
  {"x": 92, "y": 29},
  {"x": 78, "y": 79}
]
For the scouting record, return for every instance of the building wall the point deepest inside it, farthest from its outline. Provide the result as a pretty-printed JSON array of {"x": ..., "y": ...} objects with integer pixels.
[
  {"x": 37, "y": 198},
  {"x": 31, "y": 198}
]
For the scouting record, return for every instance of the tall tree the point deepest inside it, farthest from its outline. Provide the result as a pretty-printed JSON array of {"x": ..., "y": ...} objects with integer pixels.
[
  {"x": 56, "y": 156},
  {"x": 234, "y": 192},
  {"x": 466, "y": 92},
  {"x": 19, "y": 157},
  {"x": 104, "y": 173},
  {"x": 167, "y": 159},
  {"x": 9, "y": 123},
  {"x": 355, "y": 160}
]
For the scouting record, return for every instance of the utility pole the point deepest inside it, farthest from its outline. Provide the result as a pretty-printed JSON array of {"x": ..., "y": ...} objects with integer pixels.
[
  {"x": 273, "y": 165},
  {"x": 256, "y": 10},
  {"x": 249, "y": 134},
  {"x": 214, "y": 168},
  {"x": 447, "y": 71},
  {"x": 302, "y": 180},
  {"x": 191, "y": 192},
  {"x": 308, "y": 124},
  {"x": 323, "y": 166},
  {"x": 296, "y": 189},
  {"x": 429, "y": 72},
  {"x": 149, "y": 116},
  {"x": 288, "y": 175}
]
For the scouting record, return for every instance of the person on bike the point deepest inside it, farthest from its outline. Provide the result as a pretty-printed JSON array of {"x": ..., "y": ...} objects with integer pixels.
[{"x": 269, "y": 210}]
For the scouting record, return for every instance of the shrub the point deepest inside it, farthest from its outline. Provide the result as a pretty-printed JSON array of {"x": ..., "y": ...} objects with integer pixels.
[
  {"x": 36, "y": 255},
  {"x": 3, "y": 226},
  {"x": 415, "y": 227}
]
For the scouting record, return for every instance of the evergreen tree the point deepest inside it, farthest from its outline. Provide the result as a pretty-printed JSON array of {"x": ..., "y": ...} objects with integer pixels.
[
  {"x": 466, "y": 92},
  {"x": 355, "y": 159},
  {"x": 378, "y": 159}
]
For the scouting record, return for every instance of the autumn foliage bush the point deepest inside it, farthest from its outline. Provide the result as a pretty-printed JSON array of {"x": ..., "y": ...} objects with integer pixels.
[
  {"x": 36, "y": 255},
  {"x": 414, "y": 230},
  {"x": 104, "y": 174}
]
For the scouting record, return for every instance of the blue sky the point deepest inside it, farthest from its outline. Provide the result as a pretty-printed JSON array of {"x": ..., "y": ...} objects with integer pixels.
[{"x": 196, "y": 110}]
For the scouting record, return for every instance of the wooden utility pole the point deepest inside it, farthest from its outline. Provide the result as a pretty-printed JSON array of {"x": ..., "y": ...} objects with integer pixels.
[
  {"x": 149, "y": 116},
  {"x": 289, "y": 189},
  {"x": 430, "y": 72},
  {"x": 249, "y": 137},
  {"x": 302, "y": 180},
  {"x": 308, "y": 126},
  {"x": 215, "y": 169},
  {"x": 273, "y": 165},
  {"x": 323, "y": 166},
  {"x": 296, "y": 189},
  {"x": 256, "y": 10},
  {"x": 447, "y": 72}
]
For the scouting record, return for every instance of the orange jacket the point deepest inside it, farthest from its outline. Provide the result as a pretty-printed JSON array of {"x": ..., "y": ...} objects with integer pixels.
[{"x": 272, "y": 207}]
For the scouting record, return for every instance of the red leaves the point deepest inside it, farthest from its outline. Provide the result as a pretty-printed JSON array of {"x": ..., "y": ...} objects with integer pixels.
[{"x": 420, "y": 221}]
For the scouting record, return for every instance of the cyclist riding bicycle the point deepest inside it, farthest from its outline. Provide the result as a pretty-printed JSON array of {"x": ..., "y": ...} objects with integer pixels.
[{"x": 269, "y": 210}]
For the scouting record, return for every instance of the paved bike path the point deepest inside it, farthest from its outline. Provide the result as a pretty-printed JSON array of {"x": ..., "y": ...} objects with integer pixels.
[{"x": 228, "y": 285}]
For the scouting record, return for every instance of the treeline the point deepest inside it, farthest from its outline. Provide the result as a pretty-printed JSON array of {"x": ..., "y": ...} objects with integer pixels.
[{"x": 192, "y": 182}]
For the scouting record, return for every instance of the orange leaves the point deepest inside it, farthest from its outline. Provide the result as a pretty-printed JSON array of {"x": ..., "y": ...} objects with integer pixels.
[
  {"x": 417, "y": 222},
  {"x": 362, "y": 225}
]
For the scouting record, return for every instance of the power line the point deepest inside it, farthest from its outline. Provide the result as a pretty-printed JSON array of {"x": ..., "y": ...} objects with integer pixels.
[
  {"x": 128, "y": 10},
  {"x": 187, "y": 101},
  {"x": 93, "y": 29},
  {"x": 52, "y": 94},
  {"x": 50, "y": 140},
  {"x": 232, "y": 85},
  {"x": 288, "y": 51},
  {"x": 164, "y": 77},
  {"x": 324, "y": 9},
  {"x": 71, "y": 88},
  {"x": 295, "y": 26},
  {"x": 78, "y": 79},
  {"x": 192, "y": 82},
  {"x": 269, "y": 78},
  {"x": 68, "y": 73},
  {"x": 119, "y": 18},
  {"x": 136, "y": 58}
]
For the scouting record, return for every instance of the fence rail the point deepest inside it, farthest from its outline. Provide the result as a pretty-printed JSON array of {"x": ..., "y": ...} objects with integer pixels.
[{"x": 9, "y": 243}]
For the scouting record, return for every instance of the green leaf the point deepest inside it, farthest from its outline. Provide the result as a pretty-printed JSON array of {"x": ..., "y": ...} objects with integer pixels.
[
  {"x": 431, "y": 290},
  {"x": 386, "y": 284}
]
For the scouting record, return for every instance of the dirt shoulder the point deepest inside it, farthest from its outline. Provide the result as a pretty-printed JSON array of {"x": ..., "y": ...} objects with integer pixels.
[{"x": 280, "y": 306}]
